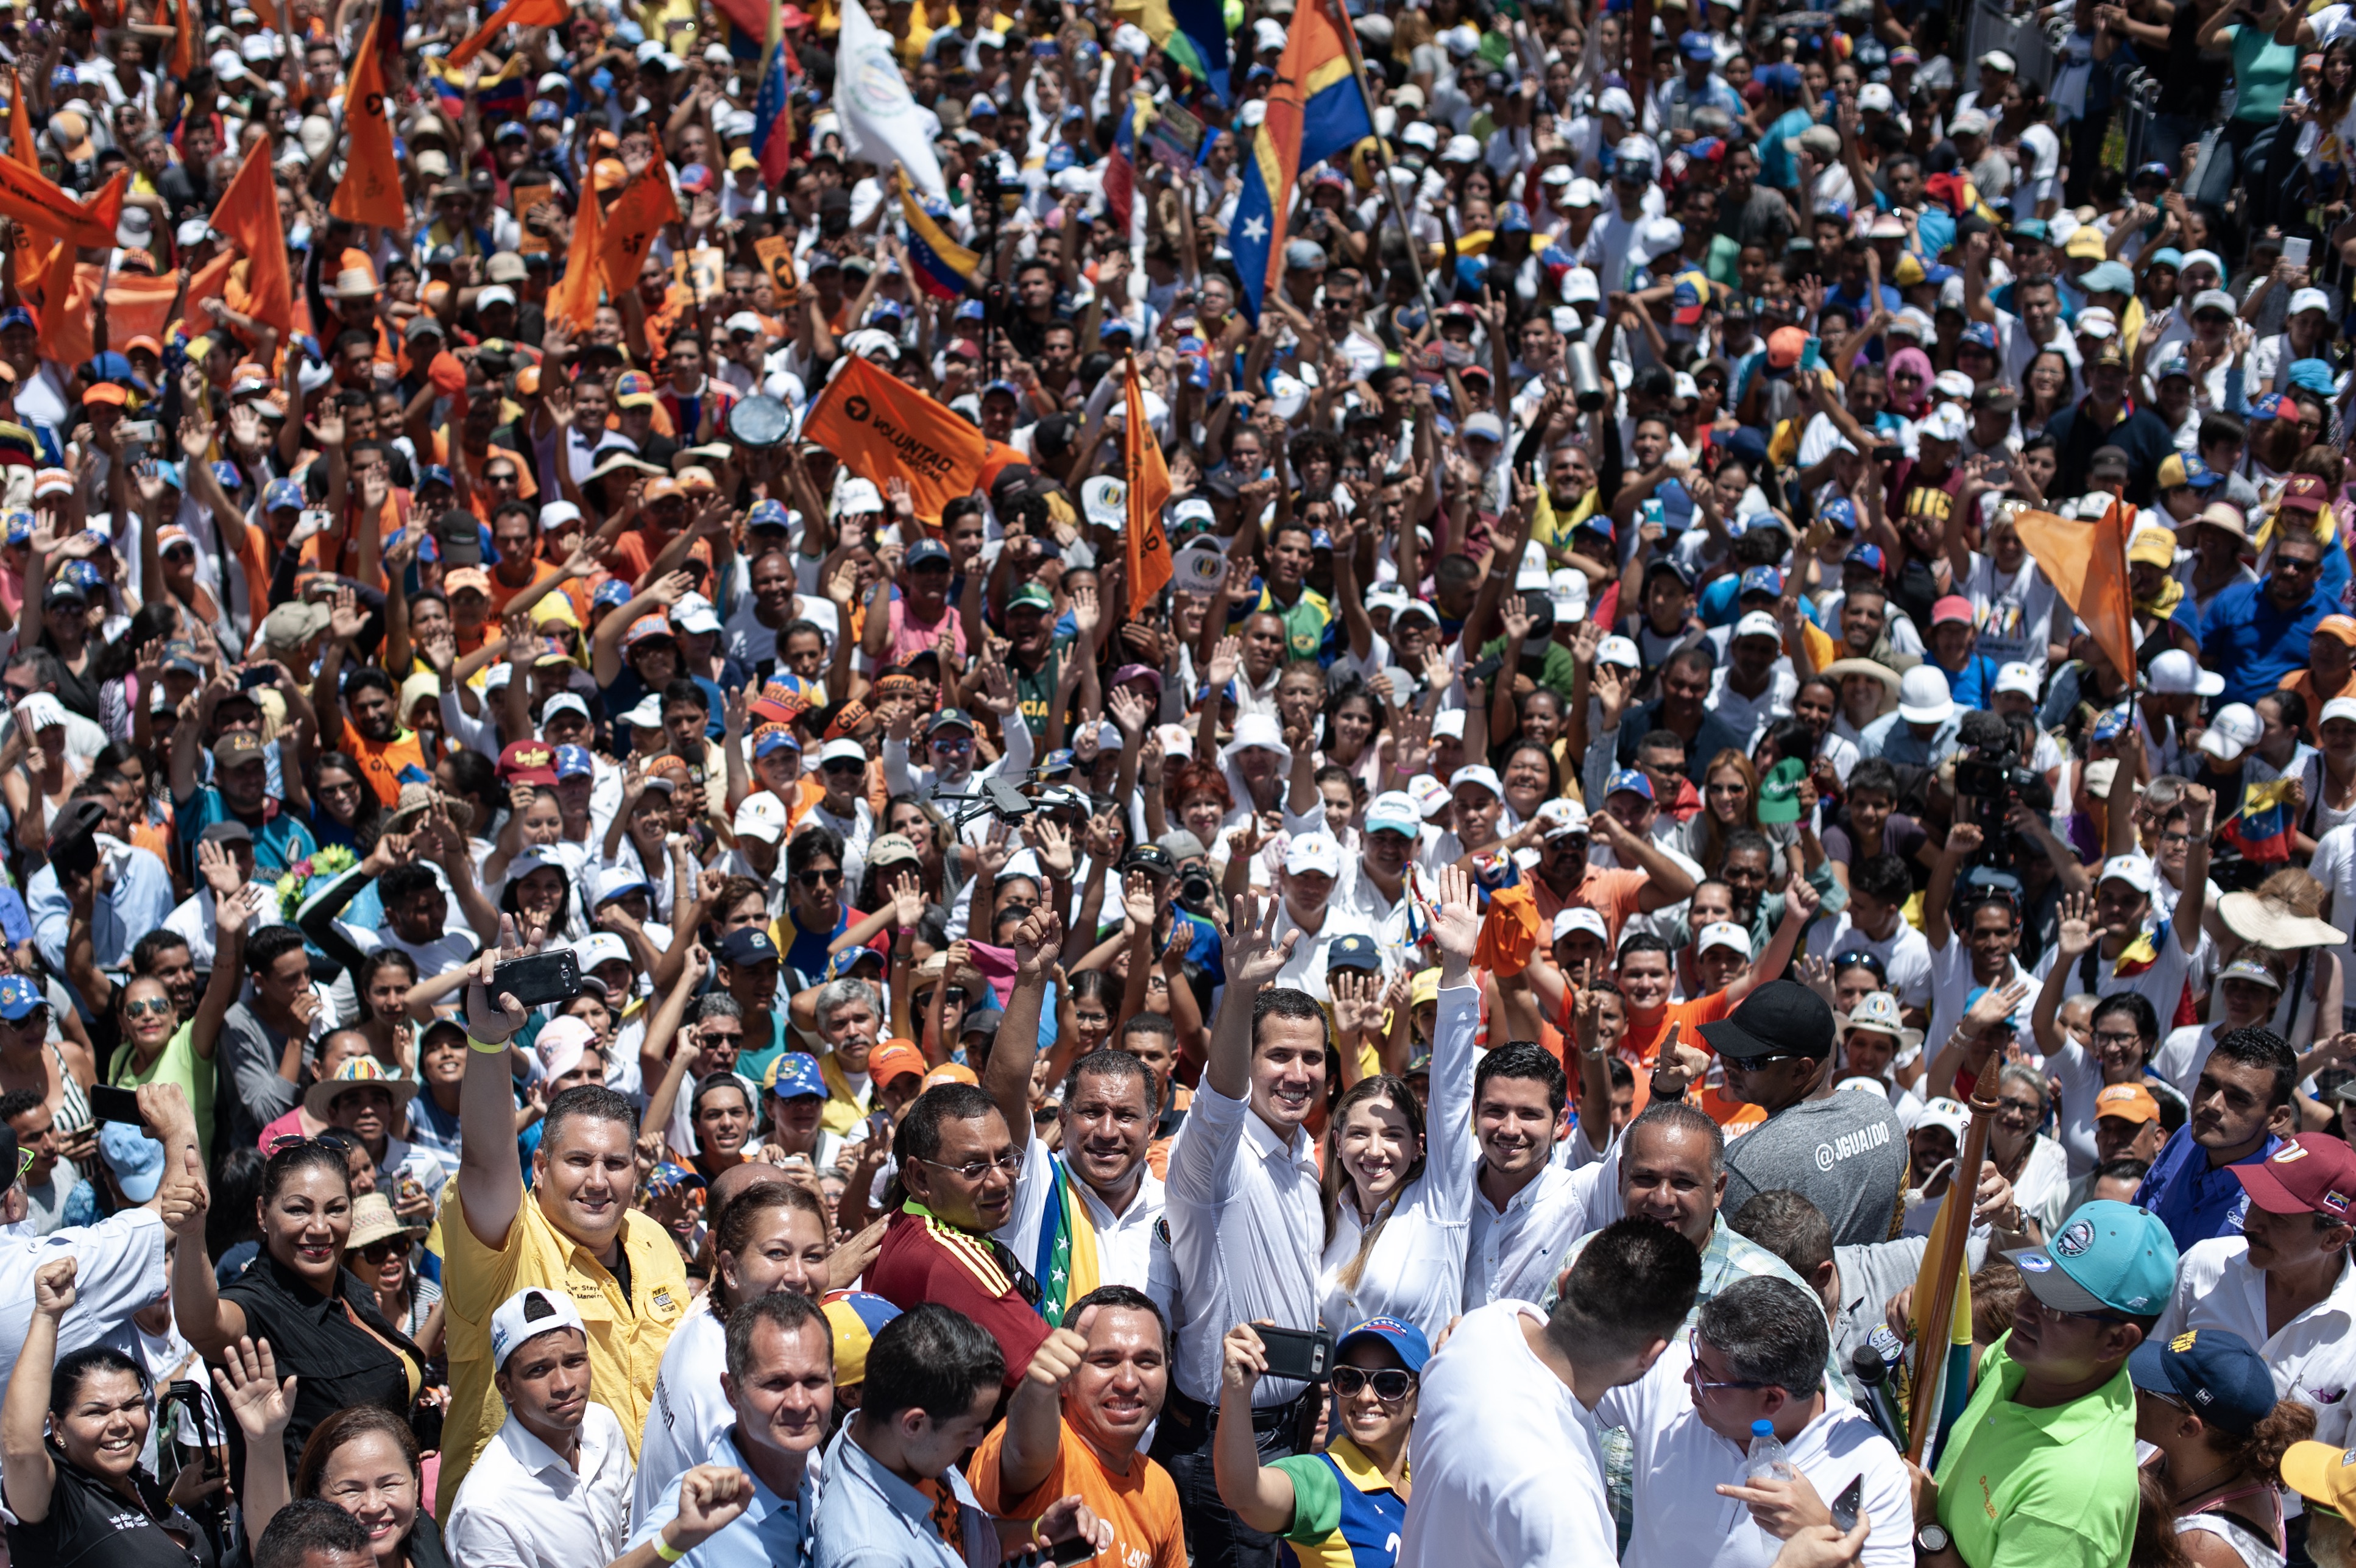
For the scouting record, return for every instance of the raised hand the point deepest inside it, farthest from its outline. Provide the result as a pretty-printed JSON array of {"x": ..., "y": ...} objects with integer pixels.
[
  {"x": 1053, "y": 845},
  {"x": 495, "y": 1022},
  {"x": 1131, "y": 709},
  {"x": 1036, "y": 942},
  {"x": 2075, "y": 937},
  {"x": 711, "y": 1499},
  {"x": 1226, "y": 655},
  {"x": 1255, "y": 956},
  {"x": 250, "y": 1389},
  {"x": 1138, "y": 900},
  {"x": 53, "y": 1287},
  {"x": 1456, "y": 921}
]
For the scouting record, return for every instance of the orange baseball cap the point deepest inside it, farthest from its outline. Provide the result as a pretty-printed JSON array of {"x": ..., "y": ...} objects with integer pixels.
[
  {"x": 106, "y": 392},
  {"x": 893, "y": 1058},
  {"x": 947, "y": 1072},
  {"x": 2342, "y": 627},
  {"x": 2130, "y": 1102}
]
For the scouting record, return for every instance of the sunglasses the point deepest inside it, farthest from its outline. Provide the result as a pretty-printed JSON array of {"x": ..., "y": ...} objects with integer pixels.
[
  {"x": 1390, "y": 1384},
  {"x": 819, "y": 879},
  {"x": 155, "y": 1005},
  {"x": 385, "y": 1251}
]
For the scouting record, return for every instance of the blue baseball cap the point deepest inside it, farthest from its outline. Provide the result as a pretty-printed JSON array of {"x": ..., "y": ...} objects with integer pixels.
[
  {"x": 779, "y": 740},
  {"x": 283, "y": 495},
  {"x": 1009, "y": 388},
  {"x": 613, "y": 591},
  {"x": 2214, "y": 1372},
  {"x": 747, "y": 946},
  {"x": 19, "y": 998},
  {"x": 1355, "y": 953},
  {"x": 1404, "y": 1340},
  {"x": 1761, "y": 580},
  {"x": 2311, "y": 375},
  {"x": 768, "y": 515},
  {"x": 2106, "y": 1257},
  {"x": 1868, "y": 556},
  {"x": 1630, "y": 779},
  {"x": 1513, "y": 217},
  {"x": 1980, "y": 334},
  {"x": 20, "y": 527},
  {"x": 1841, "y": 513},
  {"x": 17, "y": 315},
  {"x": 136, "y": 1160},
  {"x": 544, "y": 113},
  {"x": 2110, "y": 726},
  {"x": 971, "y": 310},
  {"x": 2269, "y": 407},
  {"x": 575, "y": 762},
  {"x": 671, "y": 1177},
  {"x": 83, "y": 575},
  {"x": 435, "y": 473},
  {"x": 227, "y": 475},
  {"x": 928, "y": 549},
  {"x": 797, "y": 1078},
  {"x": 1697, "y": 47}
]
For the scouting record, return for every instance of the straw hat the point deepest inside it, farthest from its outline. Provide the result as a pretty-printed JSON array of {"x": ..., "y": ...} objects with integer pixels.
[
  {"x": 2270, "y": 922},
  {"x": 1877, "y": 1013},
  {"x": 373, "y": 1221},
  {"x": 320, "y": 1098},
  {"x": 1839, "y": 670},
  {"x": 416, "y": 799}
]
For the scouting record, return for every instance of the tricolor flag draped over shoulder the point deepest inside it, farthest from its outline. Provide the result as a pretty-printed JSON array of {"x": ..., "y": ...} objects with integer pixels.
[
  {"x": 1315, "y": 111},
  {"x": 943, "y": 268}
]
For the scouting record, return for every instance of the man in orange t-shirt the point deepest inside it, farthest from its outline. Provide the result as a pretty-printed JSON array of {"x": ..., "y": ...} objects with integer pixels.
[
  {"x": 1093, "y": 1390},
  {"x": 1647, "y": 878}
]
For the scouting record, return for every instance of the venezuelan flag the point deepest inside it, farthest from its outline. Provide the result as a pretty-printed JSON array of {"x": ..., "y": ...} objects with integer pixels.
[
  {"x": 16, "y": 447},
  {"x": 505, "y": 92},
  {"x": 2261, "y": 829},
  {"x": 773, "y": 119},
  {"x": 1191, "y": 34},
  {"x": 1315, "y": 112},
  {"x": 1946, "y": 1379},
  {"x": 943, "y": 268}
]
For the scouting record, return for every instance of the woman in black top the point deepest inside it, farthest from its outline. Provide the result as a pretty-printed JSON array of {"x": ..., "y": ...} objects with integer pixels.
[
  {"x": 320, "y": 1319},
  {"x": 69, "y": 1440}
]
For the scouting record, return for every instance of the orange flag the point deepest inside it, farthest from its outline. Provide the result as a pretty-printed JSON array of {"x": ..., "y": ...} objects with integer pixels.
[
  {"x": 135, "y": 305},
  {"x": 58, "y": 335},
  {"x": 631, "y": 224},
  {"x": 1149, "y": 492},
  {"x": 370, "y": 191},
  {"x": 184, "y": 39},
  {"x": 42, "y": 207},
  {"x": 205, "y": 285},
  {"x": 20, "y": 126},
  {"x": 515, "y": 13},
  {"x": 2087, "y": 564},
  {"x": 248, "y": 214},
  {"x": 882, "y": 428},
  {"x": 574, "y": 297}
]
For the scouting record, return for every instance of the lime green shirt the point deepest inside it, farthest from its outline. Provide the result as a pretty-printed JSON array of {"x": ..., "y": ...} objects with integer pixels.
[
  {"x": 2039, "y": 1488},
  {"x": 179, "y": 1063}
]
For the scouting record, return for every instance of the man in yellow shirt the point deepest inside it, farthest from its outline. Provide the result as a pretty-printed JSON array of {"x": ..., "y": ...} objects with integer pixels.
[{"x": 573, "y": 1232}]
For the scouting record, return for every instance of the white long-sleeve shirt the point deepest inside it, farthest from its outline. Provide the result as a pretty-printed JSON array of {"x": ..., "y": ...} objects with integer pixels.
[
  {"x": 1415, "y": 1270},
  {"x": 2312, "y": 1356},
  {"x": 1246, "y": 1221}
]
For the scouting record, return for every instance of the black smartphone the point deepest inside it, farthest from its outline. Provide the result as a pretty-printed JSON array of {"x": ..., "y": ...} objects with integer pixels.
[
  {"x": 1845, "y": 1506},
  {"x": 1067, "y": 1553},
  {"x": 541, "y": 978},
  {"x": 1302, "y": 1354},
  {"x": 109, "y": 1103},
  {"x": 1888, "y": 451},
  {"x": 254, "y": 676}
]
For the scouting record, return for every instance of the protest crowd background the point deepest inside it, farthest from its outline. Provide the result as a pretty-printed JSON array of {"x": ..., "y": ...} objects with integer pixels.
[{"x": 1182, "y": 782}]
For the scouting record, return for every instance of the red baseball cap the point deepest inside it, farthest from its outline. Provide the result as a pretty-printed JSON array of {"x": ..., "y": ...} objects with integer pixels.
[
  {"x": 2304, "y": 493},
  {"x": 530, "y": 763},
  {"x": 2311, "y": 1174}
]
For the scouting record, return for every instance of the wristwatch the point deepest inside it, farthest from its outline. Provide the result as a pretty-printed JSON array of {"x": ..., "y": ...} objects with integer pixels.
[{"x": 1931, "y": 1539}]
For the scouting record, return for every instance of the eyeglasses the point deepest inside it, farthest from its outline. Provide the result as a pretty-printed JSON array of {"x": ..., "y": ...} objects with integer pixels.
[
  {"x": 1390, "y": 1385},
  {"x": 2116, "y": 1042},
  {"x": 957, "y": 746},
  {"x": 38, "y": 1017},
  {"x": 334, "y": 1139},
  {"x": 2291, "y": 563},
  {"x": 1708, "y": 1385},
  {"x": 155, "y": 1005},
  {"x": 1857, "y": 958},
  {"x": 1009, "y": 1165},
  {"x": 819, "y": 879},
  {"x": 842, "y": 765},
  {"x": 2028, "y": 1108}
]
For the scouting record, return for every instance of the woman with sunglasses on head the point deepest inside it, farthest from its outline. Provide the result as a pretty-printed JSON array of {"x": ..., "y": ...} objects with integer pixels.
[
  {"x": 324, "y": 1323},
  {"x": 767, "y": 1237},
  {"x": 1336, "y": 1504}
]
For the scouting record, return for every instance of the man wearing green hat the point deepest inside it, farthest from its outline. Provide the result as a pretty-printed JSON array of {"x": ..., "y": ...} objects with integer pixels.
[{"x": 2041, "y": 1466}]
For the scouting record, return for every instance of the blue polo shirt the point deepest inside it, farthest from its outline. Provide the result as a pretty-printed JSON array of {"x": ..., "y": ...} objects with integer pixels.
[
  {"x": 2196, "y": 1200},
  {"x": 2255, "y": 643}
]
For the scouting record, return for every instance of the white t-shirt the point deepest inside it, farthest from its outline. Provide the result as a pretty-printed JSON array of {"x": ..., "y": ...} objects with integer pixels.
[
  {"x": 2014, "y": 611},
  {"x": 1509, "y": 1470},
  {"x": 1905, "y": 956}
]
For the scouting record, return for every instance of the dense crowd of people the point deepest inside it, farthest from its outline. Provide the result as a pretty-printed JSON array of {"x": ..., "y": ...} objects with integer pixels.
[{"x": 1219, "y": 784}]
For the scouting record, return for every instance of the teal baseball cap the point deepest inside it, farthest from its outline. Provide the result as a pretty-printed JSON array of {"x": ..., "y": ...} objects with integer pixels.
[{"x": 2106, "y": 1257}]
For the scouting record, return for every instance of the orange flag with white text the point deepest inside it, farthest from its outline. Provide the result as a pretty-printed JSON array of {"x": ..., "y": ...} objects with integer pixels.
[
  {"x": 515, "y": 13},
  {"x": 574, "y": 297},
  {"x": 370, "y": 191},
  {"x": 248, "y": 214},
  {"x": 1149, "y": 492},
  {"x": 882, "y": 429},
  {"x": 2087, "y": 564}
]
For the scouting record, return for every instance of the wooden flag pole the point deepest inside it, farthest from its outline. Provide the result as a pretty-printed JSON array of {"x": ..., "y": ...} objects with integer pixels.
[{"x": 1931, "y": 1344}]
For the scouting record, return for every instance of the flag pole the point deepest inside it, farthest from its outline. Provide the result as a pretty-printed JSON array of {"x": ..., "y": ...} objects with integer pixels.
[
  {"x": 1932, "y": 1342},
  {"x": 1383, "y": 151}
]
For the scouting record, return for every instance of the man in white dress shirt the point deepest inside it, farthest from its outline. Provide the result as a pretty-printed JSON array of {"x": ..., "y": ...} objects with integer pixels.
[
  {"x": 1246, "y": 1221},
  {"x": 2289, "y": 1267},
  {"x": 1757, "y": 1354},
  {"x": 1507, "y": 1468},
  {"x": 553, "y": 1490}
]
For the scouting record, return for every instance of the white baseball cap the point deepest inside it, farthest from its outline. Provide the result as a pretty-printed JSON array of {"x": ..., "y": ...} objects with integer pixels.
[
  {"x": 1580, "y": 918},
  {"x": 842, "y": 750},
  {"x": 2020, "y": 677},
  {"x": 1758, "y": 624},
  {"x": 556, "y": 513},
  {"x": 526, "y": 1316},
  {"x": 2338, "y": 708},
  {"x": 2135, "y": 870},
  {"x": 1448, "y": 723},
  {"x": 1621, "y": 651},
  {"x": 1723, "y": 933},
  {"x": 762, "y": 816},
  {"x": 1476, "y": 773},
  {"x": 2176, "y": 673},
  {"x": 1562, "y": 817},
  {"x": 1394, "y": 811},
  {"x": 1314, "y": 852},
  {"x": 2310, "y": 299},
  {"x": 1923, "y": 696},
  {"x": 2233, "y": 730},
  {"x": 1430, "y": 796}
]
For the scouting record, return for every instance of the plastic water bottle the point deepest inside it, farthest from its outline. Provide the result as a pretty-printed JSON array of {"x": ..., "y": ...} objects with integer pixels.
[{"x": 1766, "y": 1460}]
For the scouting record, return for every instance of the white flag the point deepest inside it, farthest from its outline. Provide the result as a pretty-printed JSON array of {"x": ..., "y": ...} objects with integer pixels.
[{"x": 880, "y": 123}]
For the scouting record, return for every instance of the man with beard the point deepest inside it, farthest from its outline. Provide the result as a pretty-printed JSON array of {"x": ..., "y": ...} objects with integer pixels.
[{"x": 1108, "y": 1115}]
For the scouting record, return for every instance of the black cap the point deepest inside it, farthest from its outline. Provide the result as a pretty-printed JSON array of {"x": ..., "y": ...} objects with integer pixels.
[
  {"x": 457, "y": 533},
  {"x": 1150, "y": 858},
  {"x": 1781, "y": 1018},
  {"x": 1994, "y": 397},
  {"x": 228, "y": 830}
]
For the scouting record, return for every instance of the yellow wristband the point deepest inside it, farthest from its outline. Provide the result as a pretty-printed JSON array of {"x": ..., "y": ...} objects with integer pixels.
[
  {"x": 499, "y": 1050},
  {"x": 663, "y": 1549}
]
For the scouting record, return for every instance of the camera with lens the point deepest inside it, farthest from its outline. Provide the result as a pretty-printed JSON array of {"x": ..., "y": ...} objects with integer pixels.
[
  {"x": 1991, "y": 777},
  {"x": 1195, "y": 889}
]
